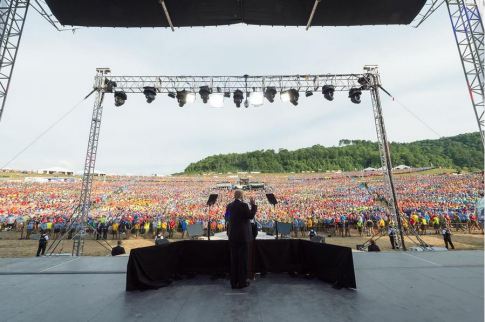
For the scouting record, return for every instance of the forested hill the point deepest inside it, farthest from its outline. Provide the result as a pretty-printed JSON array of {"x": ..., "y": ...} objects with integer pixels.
[{"x": 460, "y": 152}]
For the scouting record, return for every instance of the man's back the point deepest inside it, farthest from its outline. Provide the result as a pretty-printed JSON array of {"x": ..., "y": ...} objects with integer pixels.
[
  {"x": 239, "y": 225},
  {"x": 117, "y": 250}
]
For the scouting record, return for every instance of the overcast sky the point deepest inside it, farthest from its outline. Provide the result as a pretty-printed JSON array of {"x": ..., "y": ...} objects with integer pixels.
[{"x": 55, "y": 70}]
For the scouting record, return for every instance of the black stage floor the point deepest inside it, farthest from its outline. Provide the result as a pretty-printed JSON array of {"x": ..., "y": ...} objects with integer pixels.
[{"x": 439, "y": 286}]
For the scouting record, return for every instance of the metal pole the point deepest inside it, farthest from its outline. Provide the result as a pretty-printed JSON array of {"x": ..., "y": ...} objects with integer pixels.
[
  {"x": 385, "y": 155},
  {"x": 90, "y": 161}
]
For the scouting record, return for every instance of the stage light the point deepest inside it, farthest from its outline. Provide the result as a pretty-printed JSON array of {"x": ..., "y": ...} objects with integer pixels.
[
  {"x": 354, "y": 95},
  {"x": 238, "y": 97},
  {"x": 216, "y": 99},
  {"x": 150, "y": 93},
  {"x": 291, "y": 96},
  {"x": 110, "y": 85},
  {"x": 184, "y": 97},
  {"x": 328, "y": 91},
  {"x": 120, "y": 98},
  {"x": 270, "y": 94},
  {"x": 308, "y": 93},
  {"x": 204, "y": 93},
  {"x": 256, "y": 98}
]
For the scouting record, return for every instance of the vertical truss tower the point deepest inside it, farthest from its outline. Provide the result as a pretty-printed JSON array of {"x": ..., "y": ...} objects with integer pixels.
[
  {"x": 12, "y": 20},
  {"x": 468, "y": 30}
]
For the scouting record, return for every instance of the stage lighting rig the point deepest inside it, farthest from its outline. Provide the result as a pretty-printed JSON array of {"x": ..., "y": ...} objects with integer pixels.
[
  {"x": 150, "y": 93},
  {"x": 120, "y": 98},
  {"x": 184, "y": 97},
  {"x": 270, "y": 93},
  {"x": 291, "y": 96},
  {"x": 204, "y": 93},
  {"x": 364, "y": 81},
  {"x": 238, "y": 97},
  {"x": 354, "y": 95},
  {"x": 328, "y": 91}
]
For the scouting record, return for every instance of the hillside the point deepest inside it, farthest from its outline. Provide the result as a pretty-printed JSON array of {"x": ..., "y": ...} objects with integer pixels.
[{"x": 463, "y": 151}]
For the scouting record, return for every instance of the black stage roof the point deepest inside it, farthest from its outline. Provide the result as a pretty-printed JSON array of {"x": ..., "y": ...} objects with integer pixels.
[{"x": 187, "y": 13}]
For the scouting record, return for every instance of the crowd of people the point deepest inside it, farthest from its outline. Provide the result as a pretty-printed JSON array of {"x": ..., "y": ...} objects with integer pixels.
[{"x": 341, "y": 204}]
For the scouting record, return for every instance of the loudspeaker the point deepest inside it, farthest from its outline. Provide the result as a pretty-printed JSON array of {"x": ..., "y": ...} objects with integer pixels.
[
  {"x": 271, "y": 198},
  {"x": 195, "y": 230},
  {"x": 212, "y": 199}
]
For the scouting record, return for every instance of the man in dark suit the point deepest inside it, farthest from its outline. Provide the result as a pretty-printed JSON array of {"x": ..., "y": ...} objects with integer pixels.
[
  {"x": 240, "y": 234},
  {"x": 118, "y": 250}
]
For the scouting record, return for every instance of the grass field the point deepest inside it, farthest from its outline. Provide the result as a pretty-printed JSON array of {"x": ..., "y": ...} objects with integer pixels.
[{"x": 12, "y": 247}]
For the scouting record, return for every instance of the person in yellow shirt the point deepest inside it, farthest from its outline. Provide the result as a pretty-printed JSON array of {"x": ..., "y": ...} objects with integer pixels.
[
  {"x": 382, "y": 226},
  {"x": 164, "y": 228},
  {"x": 114, "y": 230}
]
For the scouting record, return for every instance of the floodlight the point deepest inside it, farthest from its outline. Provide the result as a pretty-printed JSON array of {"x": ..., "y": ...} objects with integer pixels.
[
  {"x": 184, "y": 97},
  {"x": 150, "y": 93},
  {"x": 291, "y": 96},
  {"x": 216, "y": 99},
  {"x": 328, "y": 91},
  {"x": 256, "y": 98},
  {"x": 354, "y": 95},
  {"x": 120, "y": 98},
  {"x": 204, "y": 93},
  {"x": 238, "y": 97},
  {"x": 270, "y": 94}
]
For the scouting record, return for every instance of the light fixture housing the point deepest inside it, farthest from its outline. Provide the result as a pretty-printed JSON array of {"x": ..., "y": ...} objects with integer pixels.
[
  {"x": 238, "y": 97},
  {"x": 120, "y": 98},
  {"x": 150, "y": 93},
  {"x": 291, "y": 96},
  {"x": 184, "y": 97},
  {"x": 204, "y": 93},
  {"x": 110, "y": 85},
  {"x": 354, "y": 95},
  {"x": 328, "y": 91},
  {"x": 270, "y": 93}
]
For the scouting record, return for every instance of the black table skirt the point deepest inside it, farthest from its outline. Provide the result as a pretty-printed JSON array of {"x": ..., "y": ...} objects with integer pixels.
[{"x": 156, "y": 266}]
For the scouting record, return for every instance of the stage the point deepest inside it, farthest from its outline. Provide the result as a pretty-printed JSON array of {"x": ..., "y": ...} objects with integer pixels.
[{"x": 440, "y": 286}]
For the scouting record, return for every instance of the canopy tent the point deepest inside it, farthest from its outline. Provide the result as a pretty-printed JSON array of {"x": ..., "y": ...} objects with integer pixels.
[{"x": 188, "y": 13}]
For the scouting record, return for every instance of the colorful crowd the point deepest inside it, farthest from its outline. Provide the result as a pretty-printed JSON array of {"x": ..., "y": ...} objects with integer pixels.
[{"x": 145, "y": 206}]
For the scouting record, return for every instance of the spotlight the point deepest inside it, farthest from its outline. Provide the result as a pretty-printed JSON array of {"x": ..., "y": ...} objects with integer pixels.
[
  {"x": 291, "y": 96},
  {"x": 354, "y": 95},
  {"x": 308, "y": 93},
  {"x": 110, "y": 85},
  {"x": 120, "y": 98},
  {"x": 256, "y": 98},
  {"x": 216, "y": 99},
  {"x": 270, "y": 94},
  {"x": 184, "y": 97},
  {"x": 150, "y": 93},
  {"x": 238, "y": 97},
  {"x": 204, "y": 93},
  {"x": 327, "y": 91}
]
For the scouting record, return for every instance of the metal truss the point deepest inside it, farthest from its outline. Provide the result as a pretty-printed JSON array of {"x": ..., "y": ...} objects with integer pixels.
[
  {"x": 12, "y": 20},
  {"x": 468, "y": 29},
  {"x": 170, "y": 84},
  {"x": 429, "y": 8},
  {"x": 40, "y": 6}
]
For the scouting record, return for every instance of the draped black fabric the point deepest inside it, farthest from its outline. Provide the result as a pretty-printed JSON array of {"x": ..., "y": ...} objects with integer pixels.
[
  {"x": 185, "y": 13},
  {"x": 156, "y": 266}
]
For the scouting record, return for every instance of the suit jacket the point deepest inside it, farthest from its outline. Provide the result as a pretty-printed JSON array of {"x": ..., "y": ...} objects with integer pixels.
[{"x": 239, "y": 229}]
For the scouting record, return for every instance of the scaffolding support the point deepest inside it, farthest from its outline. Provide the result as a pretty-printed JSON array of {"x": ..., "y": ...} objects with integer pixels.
[
  {"x": 468, "y": 30},
  {"x": 12, "y": 20}
]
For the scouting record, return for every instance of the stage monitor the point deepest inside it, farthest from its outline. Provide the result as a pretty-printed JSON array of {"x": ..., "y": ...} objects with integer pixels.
[
  {"x": 271, "y": 198},
  {"x": 283, "y": 228},
  {"x": 195, "y": 230}
]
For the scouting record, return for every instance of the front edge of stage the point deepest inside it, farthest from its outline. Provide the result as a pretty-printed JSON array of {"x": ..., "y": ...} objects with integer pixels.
[{"x": 157, "y": 266}]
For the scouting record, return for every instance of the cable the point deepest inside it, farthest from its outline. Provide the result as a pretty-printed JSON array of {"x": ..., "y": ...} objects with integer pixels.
[
  {"x": 37, "y": 138},
  {"x": 411, "y": 112}
]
